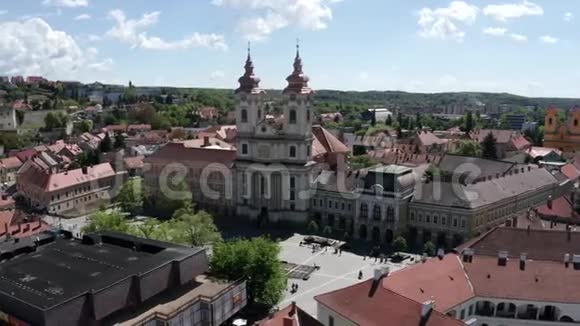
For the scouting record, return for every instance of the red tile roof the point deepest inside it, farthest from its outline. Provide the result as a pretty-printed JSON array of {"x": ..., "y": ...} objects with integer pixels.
[
  {"x": 444, "y": 280},
  {"x": 561, "y": 210},
  {"x": 11, "y": 162},
  {"x": 290, "y": 315},
  {"x": 570, "y": 171},
  {"x": 540, "y": 281},
  {"x": 52, "y": 182},
  {"x": 24, "y": 155},
  {"x": 325, "y": 142},
  {"x": 368, "y": 305},
  {"x": 177, "y": 152},
  {"x": 135, "y": 162}
]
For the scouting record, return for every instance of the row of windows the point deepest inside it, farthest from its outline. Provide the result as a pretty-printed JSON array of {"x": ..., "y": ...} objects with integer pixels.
[
  {"x": 435, "y": 219},
  {"x": 292, "y": 150},
  {"x": 331, "y": 204},
  {"x": 291, "y": 118},
  {"x": 377, "y": 212}
]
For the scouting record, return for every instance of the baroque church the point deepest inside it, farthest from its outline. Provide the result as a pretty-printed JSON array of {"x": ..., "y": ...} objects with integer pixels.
[{"x": 274, "y": 159}]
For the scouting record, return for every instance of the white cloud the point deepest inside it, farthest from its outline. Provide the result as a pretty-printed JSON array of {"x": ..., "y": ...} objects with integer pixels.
[
  {"x": 506, "y": 11},
  {"x": 568, "y": 17},
  {"x": 132, "y": 32},
  {"x": 83, "y": 17},
  {"x": 495, "y": 31},
  {"x": 269, "y": 16},
  {"x": 549, "y": 39},
  {"x": 66, "y": 3},
  {"x": 104, "y": 65},
  {"x": 33, "y": 47},
  {"x": 94, "y": 38},
  {"x": 442, "y": 23},
  {"x": 217, "y": 74},
  {"x": 3, "y": 12},
  {"x": 518, "y": 37}
]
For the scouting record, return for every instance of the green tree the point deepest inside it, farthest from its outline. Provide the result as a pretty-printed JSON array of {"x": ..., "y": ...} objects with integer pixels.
[
  {"x": 399, "y": 244},
  {"x": 468, "y": 148},
  {"x": 106, "y": 144},
  {"x": 468, "y": 125},
  {"x": 429, "y": 248},
  {"x": 327, "y": 231},
  {"x": 389, "y": 120},
  {"x": 255, "y": 260},
  {"x": 312, "y": 227},
  {"x": 195, "y": 229},
  {"x": 488, "y": 147},
  {"x": 85, "y": 126},
  {"x": 119, "y": 141},
  {"x": 131, "y": 196},
  {"x": 107, "y": 221}
]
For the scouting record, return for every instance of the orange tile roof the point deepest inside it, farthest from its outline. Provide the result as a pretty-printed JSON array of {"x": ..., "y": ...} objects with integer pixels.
[{"x": 370, "y": 305}]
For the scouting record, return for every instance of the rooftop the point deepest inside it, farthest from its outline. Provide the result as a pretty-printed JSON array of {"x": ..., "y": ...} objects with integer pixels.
[{"x": 60, "y": 269}]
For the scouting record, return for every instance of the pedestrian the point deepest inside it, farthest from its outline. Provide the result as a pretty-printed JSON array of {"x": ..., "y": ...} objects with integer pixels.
[{"x": 360, "y": 275}]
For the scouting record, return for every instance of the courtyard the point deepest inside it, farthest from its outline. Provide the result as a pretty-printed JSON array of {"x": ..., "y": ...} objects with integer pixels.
[{"x": 334, "y": 272}]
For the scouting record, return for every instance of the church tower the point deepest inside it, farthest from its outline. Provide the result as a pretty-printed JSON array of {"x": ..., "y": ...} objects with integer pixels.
[{"x": 272, "y": 167}]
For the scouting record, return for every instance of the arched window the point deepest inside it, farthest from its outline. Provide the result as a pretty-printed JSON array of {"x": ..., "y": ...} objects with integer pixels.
[
  {"x": 244, "y": 115},
  {"x": 292, "y": 118},
  {"x": 308, "y": 150},
  {"x": 307, "y": 115},
  {"x": 292, "y": 151}
]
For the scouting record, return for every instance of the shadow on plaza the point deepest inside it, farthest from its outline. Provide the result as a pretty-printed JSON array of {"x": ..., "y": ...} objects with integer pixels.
[{"x": 232, "y": 228}]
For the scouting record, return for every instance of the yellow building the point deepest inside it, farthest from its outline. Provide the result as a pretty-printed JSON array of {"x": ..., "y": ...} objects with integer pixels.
[{"x": 563, "y": 135}]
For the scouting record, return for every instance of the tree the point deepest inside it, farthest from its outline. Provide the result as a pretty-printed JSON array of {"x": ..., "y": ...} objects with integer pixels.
[
  {"x": 400, "y": 244},
  {"x": 85, "y": 126},
  {"x": 327, "y": 231},
  {"x": 488, "y": 147},
  {"x": 468, "y": 126},
  {"x": 195, "y": 229},
  {"x": 468, "y": 148},
  {"x": 119, "y": 141},
  {"x": 255, "y": 260},
  {"x": 389, "y": 120},
  {"x": 107, "y": 221},
  {"x": 429, "y": 248},
  {"x": 106, "y": 144},
  {"x": 312, "y": 227},
  {"x": 131, "y": 196}
]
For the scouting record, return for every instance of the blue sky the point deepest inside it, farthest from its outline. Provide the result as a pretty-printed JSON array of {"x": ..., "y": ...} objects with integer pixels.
[{"x": 523, "y": 47}]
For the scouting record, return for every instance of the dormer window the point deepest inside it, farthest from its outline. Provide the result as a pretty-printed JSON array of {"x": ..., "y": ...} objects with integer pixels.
[
  {"x": 292, "y": 118},
  {"x": 244, "y": 115}
]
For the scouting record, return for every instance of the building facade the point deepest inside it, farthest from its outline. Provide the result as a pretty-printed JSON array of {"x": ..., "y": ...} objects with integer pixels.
[{"x": 563, "y": 135}]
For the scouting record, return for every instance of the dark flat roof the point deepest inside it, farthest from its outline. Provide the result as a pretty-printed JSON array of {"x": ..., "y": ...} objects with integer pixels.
[{"x": 63, "y": 269}]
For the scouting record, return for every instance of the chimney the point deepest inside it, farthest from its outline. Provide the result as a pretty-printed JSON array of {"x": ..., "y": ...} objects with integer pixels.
[
  {"x": 523, "y": 257},
  {"x": 380, "y": 273},
  {"x": 502, "y": 258},
  {"x": 426, "y": 308},
  {"x": 206, "y": 141},
  {"x": 566, "y": 260},
  {"x": 84, "y": 169},
  {"x": 549, "y": 202},
  {"x": 467, "y": 255},
  {"x": 440, "y": 253}
]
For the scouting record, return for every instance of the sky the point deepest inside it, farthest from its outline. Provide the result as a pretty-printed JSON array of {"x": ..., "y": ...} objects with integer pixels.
[{"x": 524, "y": 47}]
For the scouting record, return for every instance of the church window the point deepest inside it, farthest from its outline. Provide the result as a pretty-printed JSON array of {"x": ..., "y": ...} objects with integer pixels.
[
  {"x": 292, "y": 195},
  {"x": 308, "y": 150},
  {"x": 292, "y": 182},
  {"x": 259, "y": 114},
  {"x": 307, "y": 115},
  {"x": 292, "y": 118},
  {"x": 377, "y": 212},
  {"x": 363, "y": 210},
  {"x": 292, "y": 151},
  {"x": 244, "y": 115},
  {"x": 244, "y": 149}
]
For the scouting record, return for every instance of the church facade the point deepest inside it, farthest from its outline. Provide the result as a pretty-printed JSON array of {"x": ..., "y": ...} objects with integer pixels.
[
  {"x": 274, "y": 154},
  {"x": 563, "y": 135}
]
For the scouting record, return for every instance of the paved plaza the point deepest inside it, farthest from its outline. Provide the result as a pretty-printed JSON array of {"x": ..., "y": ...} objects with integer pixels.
[{"x": 335, "y": 271}]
